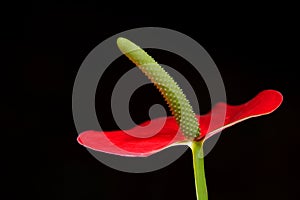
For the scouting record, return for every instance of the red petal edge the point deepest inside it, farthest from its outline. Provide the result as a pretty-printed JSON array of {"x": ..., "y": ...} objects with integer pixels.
[{"x": 121, "y": 143}]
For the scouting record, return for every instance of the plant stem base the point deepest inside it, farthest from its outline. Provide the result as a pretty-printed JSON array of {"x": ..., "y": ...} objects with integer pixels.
[{"x": 199, "y": 172}]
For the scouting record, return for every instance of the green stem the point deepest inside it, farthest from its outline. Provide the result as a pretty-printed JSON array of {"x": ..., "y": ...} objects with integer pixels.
[{"x": 199, "y": 173}]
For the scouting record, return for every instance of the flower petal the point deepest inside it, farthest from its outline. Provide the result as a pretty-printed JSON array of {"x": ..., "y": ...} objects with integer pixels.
[
  {"x": 125, "y": 144},
  {"x": 264, "y": 103}
]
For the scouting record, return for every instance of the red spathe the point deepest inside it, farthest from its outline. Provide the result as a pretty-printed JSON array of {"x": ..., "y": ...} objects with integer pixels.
[{"x": 125, "y": 144}]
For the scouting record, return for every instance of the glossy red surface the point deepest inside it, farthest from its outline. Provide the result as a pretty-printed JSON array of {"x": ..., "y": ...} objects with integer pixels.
[{"x": 124, "y": 143}]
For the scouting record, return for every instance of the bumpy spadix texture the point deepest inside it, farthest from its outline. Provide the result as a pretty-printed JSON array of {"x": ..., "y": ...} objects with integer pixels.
[{"x": 172, "y": 93}]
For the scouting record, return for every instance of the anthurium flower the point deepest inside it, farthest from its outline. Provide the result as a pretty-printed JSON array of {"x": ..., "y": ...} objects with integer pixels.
[
  {"x": 183, "y": 128},
  {"x": 124, "y": 143}
]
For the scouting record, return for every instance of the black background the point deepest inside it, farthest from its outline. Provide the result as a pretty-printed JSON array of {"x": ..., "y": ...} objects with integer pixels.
[{"x": 253, "y": 51}]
